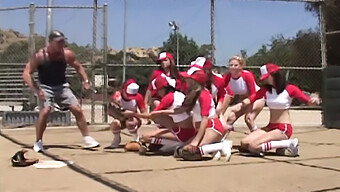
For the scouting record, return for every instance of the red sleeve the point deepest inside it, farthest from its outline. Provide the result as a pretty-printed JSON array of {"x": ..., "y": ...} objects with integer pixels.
[
  {"x": 166, "y": 102},
  {"x": 155, "y": 74},
  {"x": 221, "y": 91},
  {"x": 249, "y": 78},
  {"x": 227, "y": 79},
  {"x": 205, "y": 100},
  {"x": 258, "y": 95},
  {"x": 295, "y": 92},
  {"x": 140, "y": 101}
]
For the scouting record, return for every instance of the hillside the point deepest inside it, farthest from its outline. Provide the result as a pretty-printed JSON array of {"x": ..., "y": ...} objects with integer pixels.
[{"x": 7, "y": 37}]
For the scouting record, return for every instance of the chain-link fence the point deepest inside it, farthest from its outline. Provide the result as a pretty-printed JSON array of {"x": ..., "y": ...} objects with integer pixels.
[
  {"x": 124, "y": 49},
  {"x": 21, "y": 38}
]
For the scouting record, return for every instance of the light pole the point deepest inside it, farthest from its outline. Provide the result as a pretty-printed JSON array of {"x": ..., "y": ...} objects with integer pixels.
[{"x": 175, "y": 28}]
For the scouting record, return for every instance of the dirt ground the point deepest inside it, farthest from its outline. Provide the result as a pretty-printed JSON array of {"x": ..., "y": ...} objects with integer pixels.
[{"x": 316, "y": 169}]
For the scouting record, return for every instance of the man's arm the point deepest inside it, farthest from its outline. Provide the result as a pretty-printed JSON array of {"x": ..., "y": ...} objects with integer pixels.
[
  {"x": 30, "y": 67},
  {"x": 71, "y": 60}
]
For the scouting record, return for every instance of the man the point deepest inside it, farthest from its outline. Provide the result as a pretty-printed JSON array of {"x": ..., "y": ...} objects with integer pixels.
[{"x": 51, "y": 63}]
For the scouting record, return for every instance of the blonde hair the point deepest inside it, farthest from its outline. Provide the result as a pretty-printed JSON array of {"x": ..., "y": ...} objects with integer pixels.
[{"x": 239, "y": 59}]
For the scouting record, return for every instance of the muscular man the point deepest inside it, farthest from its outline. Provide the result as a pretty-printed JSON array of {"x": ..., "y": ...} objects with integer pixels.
[{"x": 51, "y": 62}]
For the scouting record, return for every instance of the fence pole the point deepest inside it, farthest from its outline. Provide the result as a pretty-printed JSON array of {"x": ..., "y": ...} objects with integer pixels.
[
  {"x": 94, "y": 42},
  {"x": 105, "y": 30},
  {"x": 31, "y": 50},
  {"x": 212, "y": 30},
  {"x": 49, "y": 20},
  {"x": 322, "y": 36},
  {"x": 124, "y": 43}
]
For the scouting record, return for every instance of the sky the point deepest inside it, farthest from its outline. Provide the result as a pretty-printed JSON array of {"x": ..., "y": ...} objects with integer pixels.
[{"x": 239, "y": 24}]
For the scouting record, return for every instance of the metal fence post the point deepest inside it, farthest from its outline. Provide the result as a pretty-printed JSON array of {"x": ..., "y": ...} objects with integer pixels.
[
  {"x": 212, "y": 31},
  {"x": 94, "y": 42},
  {"x": 31, "y": 49},
  {"x": 105, "y": 30},
  {"x": 124, "y": 43},
  {"x": 322, "y": 36}
]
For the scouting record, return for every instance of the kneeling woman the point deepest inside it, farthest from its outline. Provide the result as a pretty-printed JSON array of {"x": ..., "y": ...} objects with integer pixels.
[
  {"x": 179, "y": 132},
  {"x": 278, "y": 95},
  {"x": 129, "y": 100},
  {"x": 199, "y": 101}
]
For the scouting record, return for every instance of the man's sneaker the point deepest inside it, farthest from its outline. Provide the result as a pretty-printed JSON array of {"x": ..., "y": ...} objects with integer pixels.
[
  {"x": 38, "y": 146},
  {"x": 90, "y": 142},
  {"x": 291, "y": 151},
  {"x": 226, "y": 149}
]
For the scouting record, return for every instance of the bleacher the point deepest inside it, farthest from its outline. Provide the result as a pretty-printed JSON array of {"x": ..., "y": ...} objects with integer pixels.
[{"x": 14, "y": 94}]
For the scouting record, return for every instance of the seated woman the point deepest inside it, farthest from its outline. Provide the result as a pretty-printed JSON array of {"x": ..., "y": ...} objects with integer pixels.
[
  {"x": 278, "y": 95},
  {"x": 199, "y": 102},
  {"x": 174, "y": 134},
  {"x": 123, "y": 104}
]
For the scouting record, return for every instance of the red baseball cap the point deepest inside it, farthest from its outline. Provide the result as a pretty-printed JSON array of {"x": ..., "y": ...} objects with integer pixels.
[
  {"x": 131, "y": 88},
  {"x": 197, "y": 75},
  {"x": 202, "y": 63},
  {"x": 163, "y": 56},
  {"x": 268, "y": 69}
]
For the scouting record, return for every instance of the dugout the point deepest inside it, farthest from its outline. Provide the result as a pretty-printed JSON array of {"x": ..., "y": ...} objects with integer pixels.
[{"x": 331, "y": 96}]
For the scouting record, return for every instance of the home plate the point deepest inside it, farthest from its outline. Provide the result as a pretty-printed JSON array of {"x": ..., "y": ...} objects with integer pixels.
[{"x": 50, "y": 164}]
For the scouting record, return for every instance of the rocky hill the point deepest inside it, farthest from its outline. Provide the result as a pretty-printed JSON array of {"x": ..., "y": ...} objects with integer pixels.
[{"x": 7, "y": 37}]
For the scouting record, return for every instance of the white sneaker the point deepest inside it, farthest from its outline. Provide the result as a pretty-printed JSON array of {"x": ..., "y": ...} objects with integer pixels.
[
  {"x": 226, "y": 150},
  {"x": 38, "y": 146},
  {"x": 293, "y": 148},
  {"x": 115, "y": 142},
  {"x": 90, "y": 142}
]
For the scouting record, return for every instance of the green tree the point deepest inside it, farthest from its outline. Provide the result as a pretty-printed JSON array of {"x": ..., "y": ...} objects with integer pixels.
[
  {"x": 331, "y": 10},
  {"x": 188, "y": 49},
  {"x": 300, "y": 51}
]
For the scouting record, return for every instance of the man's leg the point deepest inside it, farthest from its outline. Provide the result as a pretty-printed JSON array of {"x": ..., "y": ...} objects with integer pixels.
[
  {"x": 40, "y": 129},
  {"x": 42, "y": 122},
  {"x": 68, "y": 99},
  {"x": 80, "y": 119},
  {"x": 44, "y": 110}
]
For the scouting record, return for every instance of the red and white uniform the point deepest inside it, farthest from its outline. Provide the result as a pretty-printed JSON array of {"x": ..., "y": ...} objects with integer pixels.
[
  {"x": 130, "y": 105},
  {"x": 218, "y": 88},
  {"x": 172, "y": 101},
  {"x": 244, "y": 85},
  {"x": 173, "y": 82},
  {"x": 280, "y": 101},
  {"x": 205, "y": 106}
]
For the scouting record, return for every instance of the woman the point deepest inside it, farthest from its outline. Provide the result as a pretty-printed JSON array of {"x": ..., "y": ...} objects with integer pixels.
[
  {"x": 129, "y": 100},
  {"x": 179, "y": 131},
  {"x": 209, "y": 127},
  {"x": 278, "y": 95},
  {"x": 215, "y": 84},
  {"x": 168, "y": 70},
  {"x": 243, "y": 84}
]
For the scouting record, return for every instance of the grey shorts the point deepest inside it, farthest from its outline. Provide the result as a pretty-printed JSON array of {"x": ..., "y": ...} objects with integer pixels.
[{"x": 61, "y": 95}]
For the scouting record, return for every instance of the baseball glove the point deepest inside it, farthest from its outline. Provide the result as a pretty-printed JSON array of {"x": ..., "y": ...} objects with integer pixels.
[
  {"x": 132, "y": 146},
  {"x": 116, "y": 111}
]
